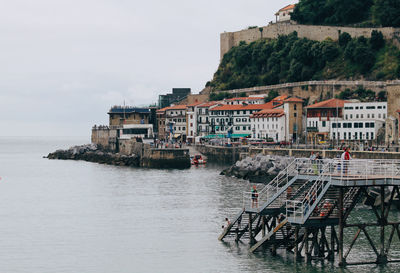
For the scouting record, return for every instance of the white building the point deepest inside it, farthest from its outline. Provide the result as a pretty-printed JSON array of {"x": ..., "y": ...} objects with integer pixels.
[
  {"x": 269, "y": 124},
  {"x": 284, "y": 13},
  {"x": 191, "y": 113},
  {"x": 349, "y": 130},
  {"x": 361, "y": 121},
  {"x": 129, "y": 131},
  {"x": 235, "y": 118},
  {"x": 203, "y": 117},
  {"x": 175, "y": 122},
  {"x": 365, "y": 110}
]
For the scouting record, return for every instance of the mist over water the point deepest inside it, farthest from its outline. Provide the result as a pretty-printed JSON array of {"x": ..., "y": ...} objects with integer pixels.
[{"x": 75, "y": 216}]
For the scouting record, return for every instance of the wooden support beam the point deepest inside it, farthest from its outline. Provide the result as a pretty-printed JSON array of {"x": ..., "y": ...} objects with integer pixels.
[
  {"x": 342, "y": 261},
  {"x": 352, "y": 243},
  {"x": 296, "y": 244}
]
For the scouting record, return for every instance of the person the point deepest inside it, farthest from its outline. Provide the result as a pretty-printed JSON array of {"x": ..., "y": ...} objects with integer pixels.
[
  {"x": 345, "y": 160},
  {"x": 254, "y": 197},
  {"x": 318, "y": 158},
  {"x": 313, "y": 158},
  {"x": 289, "y": 192},
  {"x": 228, "y": 223}
]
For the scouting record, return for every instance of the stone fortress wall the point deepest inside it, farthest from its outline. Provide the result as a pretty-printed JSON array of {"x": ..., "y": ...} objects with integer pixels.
[{"x": 318, "y": 33}]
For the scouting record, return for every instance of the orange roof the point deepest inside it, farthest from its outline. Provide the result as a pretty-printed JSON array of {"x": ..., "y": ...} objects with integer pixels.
[
  {"x": 268, "y": 113},
  {"x": 228, "y": 107},
  {"x": 162, "y": 110},
  {"x": 288, "y": 7},
  {"x": 246, "y": 98},
  {"x": 280, "y": 98},
  {"x": 332, "y": 103},
  {"x": 293, "y": 100},
  {"x": 398, "y": 111}
]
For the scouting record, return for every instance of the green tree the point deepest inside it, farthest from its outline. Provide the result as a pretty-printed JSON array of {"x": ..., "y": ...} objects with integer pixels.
[
  {"x": 271, "y": 95},
  {"x": 377, "y": 41},
  {"x": 344, "y": 39},
  {"x": 387, "y": 12}
]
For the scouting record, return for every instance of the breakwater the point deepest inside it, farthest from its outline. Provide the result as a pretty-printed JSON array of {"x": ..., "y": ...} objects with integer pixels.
[{"x": 134, "y": 155}]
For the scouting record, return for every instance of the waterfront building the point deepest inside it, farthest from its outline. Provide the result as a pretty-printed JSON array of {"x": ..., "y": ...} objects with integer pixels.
[
  {"x": 129, "y": 131},
  {"x": 234, "y": 120},
  {"x": 175, "y": 122},
  {"x": 191, "y": 113},
  {"x": 204, "y": 127},
  {"x": 361, "y": 121},
  {"x": 283, "y": 15},
  {"x": 120, "y": 115},
  {"x": 319, "y": 118},
  {"x": 161, "y": 121},
  {"x": 269, "y": 124},
  {"x": 365, "y": 110},
  {"x": 282, "y": 124}
]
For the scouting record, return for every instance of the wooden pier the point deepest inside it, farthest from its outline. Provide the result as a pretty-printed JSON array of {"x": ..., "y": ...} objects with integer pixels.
[{"x": 305, "y": 209}]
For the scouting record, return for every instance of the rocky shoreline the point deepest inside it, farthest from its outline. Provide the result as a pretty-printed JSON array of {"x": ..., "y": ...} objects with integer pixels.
[
  {"x": 96, "y": 154},
  {"x": 258, "y": 169}
]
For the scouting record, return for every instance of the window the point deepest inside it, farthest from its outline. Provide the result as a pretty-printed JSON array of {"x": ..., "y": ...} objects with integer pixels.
[
  {"x": 356, "y": 107},
  {"x": 357, "y": 116},
  {"x": 339, "y": 125},
  {"x": 379, "y": 115},
  {"x": 373, "y": 116},
  {"x": 372, "y": 125},
  {"x": 334, "y": 135},
  {"x": 361, "y": 107},
  {"x": 367, "y": 115},
  {"x": 244, "y": 127},
  {"x": 351, "y": 116},
  {"x": 356, "y": 125},
  {"x": 295, "y": 114},
  {"x": 366, "y": 135},
  {"x": 370, "y": 107},
  {"x": 367, "y": 125},
  {"x": 237, "y": 128},
  {"x": 191, "y": 124},
  {"x": 333, "y": 125},
  {"x": 324, "y": 124},
  {"x": 379, "y": 107},
  {"x": 347, "y": 117},
  {"x": 360, "y": 135},
  {"x": 238, "y": 112},
  {"x": 349, "y": 125},
  {"x": 183, "y": 128},
  {"x": 372, "y": 135},
  {"x": 362, "y": 116},
  {"x": 344, "y": 125},
  {"x": 384, "y": 107},
  {"x": 384, "y": 115},
  {"x": 295, "y": 107},
  {"x": 349, "y": 135},
  {"x": 360, "y": 125}
]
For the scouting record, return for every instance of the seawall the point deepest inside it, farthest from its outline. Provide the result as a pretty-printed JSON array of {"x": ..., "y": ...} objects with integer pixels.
[
  {"x": 318, "y": 33},
  {"x": 233, "y": 154}
]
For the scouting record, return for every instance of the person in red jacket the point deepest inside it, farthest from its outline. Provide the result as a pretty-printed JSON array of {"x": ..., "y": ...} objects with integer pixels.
[{"x": 345, "y": 159}]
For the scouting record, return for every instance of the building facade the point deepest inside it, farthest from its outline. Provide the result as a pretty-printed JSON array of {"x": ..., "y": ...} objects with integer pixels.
[
  {"x": 269, "y": 124},
  {"x": 120, "y": 115},
  {"x": 283, "y": 15},
  {"x": 175, "y": 122}
]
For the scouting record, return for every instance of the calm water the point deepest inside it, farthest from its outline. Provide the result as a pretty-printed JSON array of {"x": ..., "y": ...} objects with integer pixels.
[{"x": 70, "y": 216}]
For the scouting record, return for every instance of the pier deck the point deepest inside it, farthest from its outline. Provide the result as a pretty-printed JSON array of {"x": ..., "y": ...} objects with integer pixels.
[{"x": 310, "y": 201}]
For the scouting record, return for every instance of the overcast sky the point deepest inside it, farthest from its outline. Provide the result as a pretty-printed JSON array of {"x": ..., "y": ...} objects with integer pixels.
[{"x": 63, "y": 63}]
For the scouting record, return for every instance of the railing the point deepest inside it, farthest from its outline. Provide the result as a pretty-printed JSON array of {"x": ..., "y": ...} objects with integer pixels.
[
  {"x": 358, "y": 172},
  {"x": 278, "y": 185},
  {"x": 298, "y": 211}
]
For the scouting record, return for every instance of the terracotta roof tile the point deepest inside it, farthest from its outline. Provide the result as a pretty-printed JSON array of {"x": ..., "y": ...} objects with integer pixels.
[
  {"x": 288, "y": 7},
  {"x": 208, "y": 104},
  {"x": 176, "y": 107},
  {"x": 269, "y": 113},
  {"x": 293, "y": 100}
]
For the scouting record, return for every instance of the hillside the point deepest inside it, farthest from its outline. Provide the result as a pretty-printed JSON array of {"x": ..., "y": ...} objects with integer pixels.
[
  {"x": 291, "y": 59},
  {"x": 348, "y": 12}
]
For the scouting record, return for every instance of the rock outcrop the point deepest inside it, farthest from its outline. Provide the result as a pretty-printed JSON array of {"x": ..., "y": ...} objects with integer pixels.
[
  {"x": 93, "y": 153},
  {"x": 258, "y": 169}
]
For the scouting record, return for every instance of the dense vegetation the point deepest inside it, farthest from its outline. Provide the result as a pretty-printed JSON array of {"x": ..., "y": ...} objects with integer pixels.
[
  {"x": 291, "y": 59},
  {"x": 348, "y": 12},
  {"x": 363, "y": 95}
]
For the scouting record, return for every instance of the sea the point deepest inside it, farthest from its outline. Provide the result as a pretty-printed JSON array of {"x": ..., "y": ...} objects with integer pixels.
[{"x": 59, "y": 216}]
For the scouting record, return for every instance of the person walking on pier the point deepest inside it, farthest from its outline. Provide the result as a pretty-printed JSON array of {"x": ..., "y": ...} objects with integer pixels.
[
  {"x": 254, "y": 197},
  {"x": 345, "y": 160}
]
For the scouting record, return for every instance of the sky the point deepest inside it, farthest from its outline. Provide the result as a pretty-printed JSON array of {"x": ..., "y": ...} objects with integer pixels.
[{"x": 64, "y": 63}]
